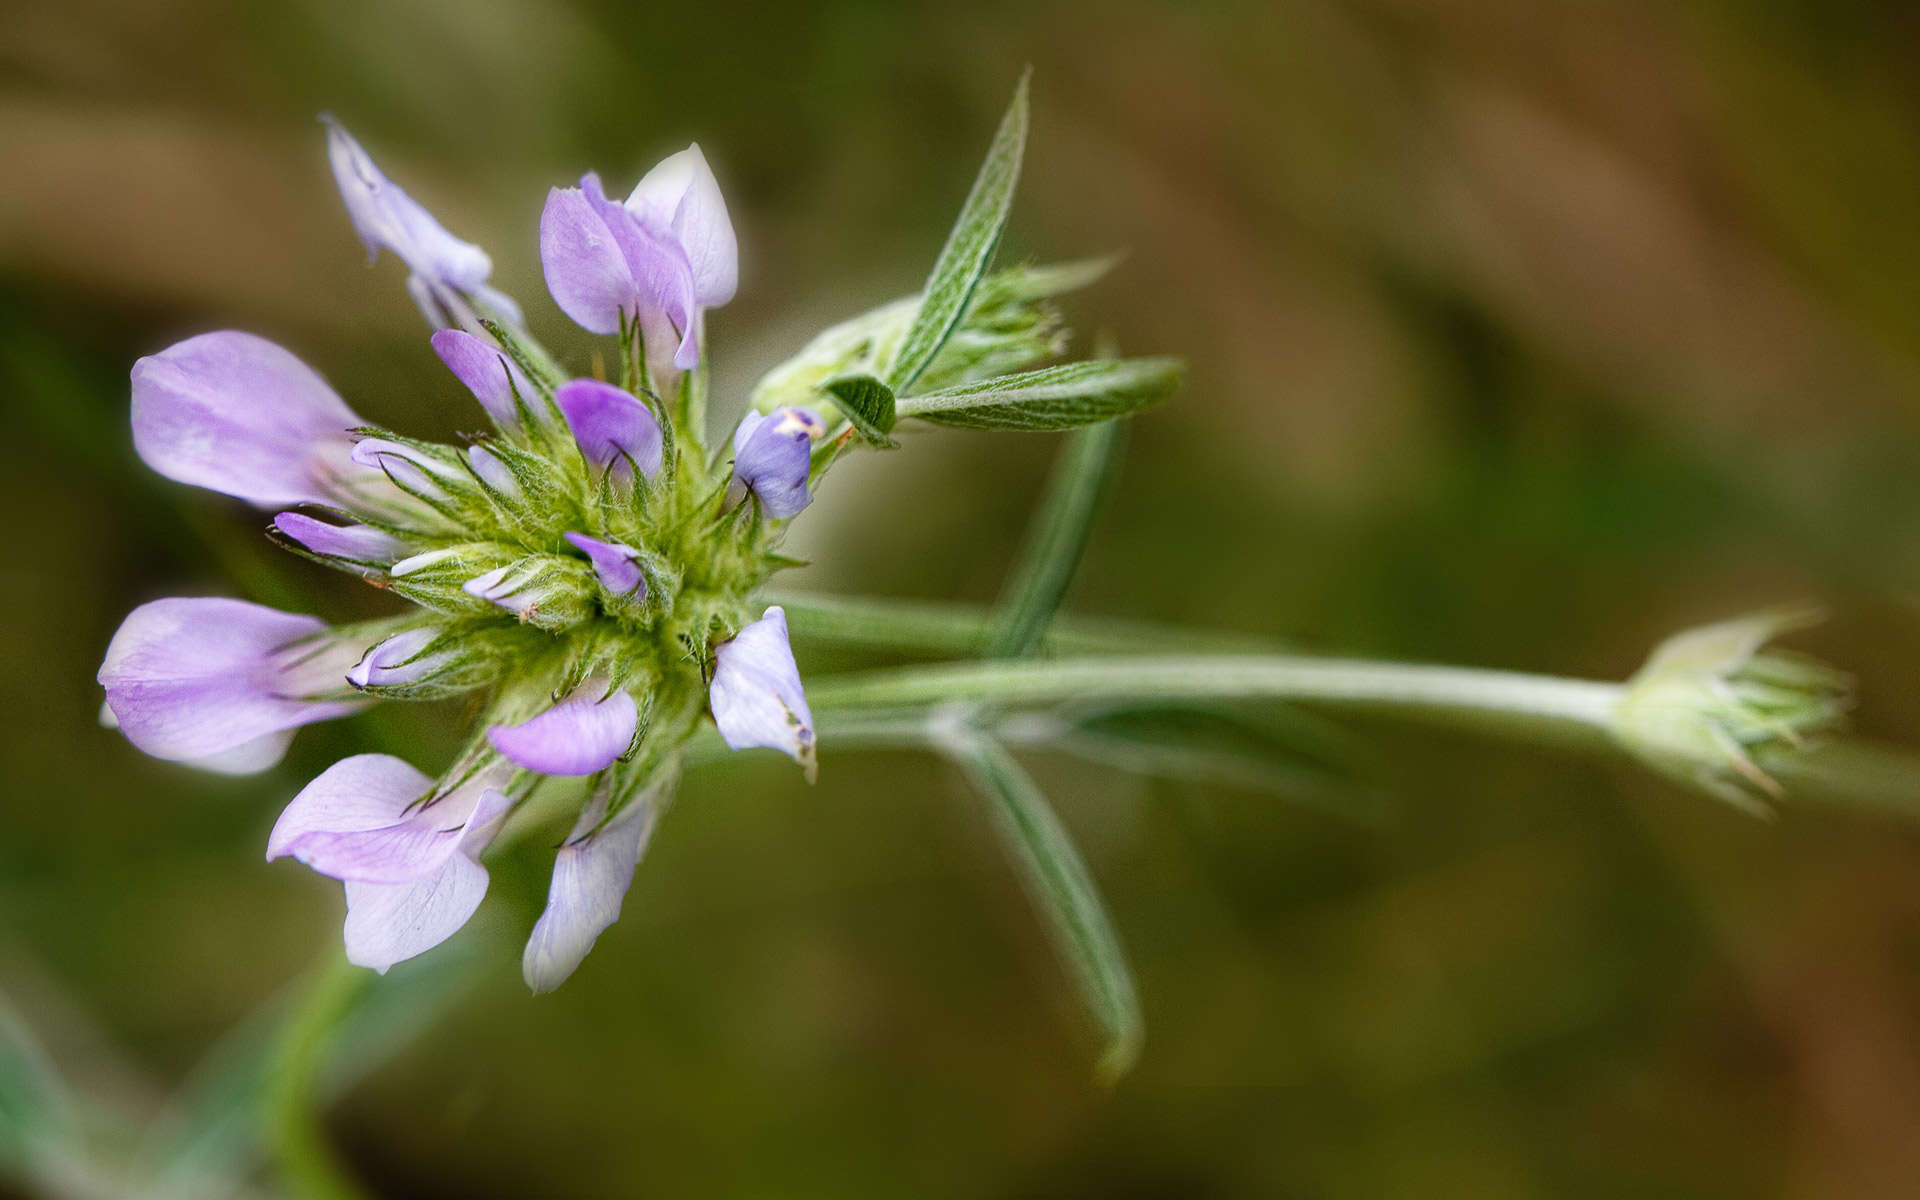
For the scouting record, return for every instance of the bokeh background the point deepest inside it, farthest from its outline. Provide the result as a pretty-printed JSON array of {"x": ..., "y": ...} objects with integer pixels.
[{"x": 1521, "y": 335}]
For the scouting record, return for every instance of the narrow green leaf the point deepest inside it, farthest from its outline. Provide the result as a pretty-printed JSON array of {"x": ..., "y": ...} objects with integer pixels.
[
  {"x": 867, "y": 404},
  {"x": 1081, "y": 393},
  {"x": 1055, "y": 542},
  {"x": 968, "y": 250},
  {"x": 1061, "y": 888}
]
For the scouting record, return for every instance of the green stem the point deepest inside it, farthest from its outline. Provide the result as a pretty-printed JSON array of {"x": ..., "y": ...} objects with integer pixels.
[
  {"x": 919, "y": 627},
  {"x": 1536, "y": 706},
  {"x": 293, "y": 1102}
]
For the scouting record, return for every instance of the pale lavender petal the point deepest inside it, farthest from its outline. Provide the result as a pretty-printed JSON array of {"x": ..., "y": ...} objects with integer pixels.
[
  {"x": 488, "y": 373},
  {"x": 585, "y": 267},
  {"x": 391, "y": 922},
  {"x": 386, "y": 218},
  {"x": 355, "y": 543},
  {"x": 248, "y": 758},
  {"x": 357, "y": 794},
  {"x": 613, "y": 563},
  {"x": 756, "y": 695},
  {"x": 681, "y": 194},
  {"x": 575, "y": 737},
  {"x": 235, "y": 413},
  {"x": 591, "y": 875},
  {"x": 492, "y": 471},
  {"x": 362, "y": 820},
  {"x": 191, "y": 678},
  {"x": 399, "y": 660},
  {"x": 772, "y": 456},
  {"x": 611, "y": 425}
]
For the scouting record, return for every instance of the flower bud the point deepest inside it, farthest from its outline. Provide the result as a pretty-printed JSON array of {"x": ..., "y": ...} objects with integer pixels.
[{"x": 1711, "y": 698}]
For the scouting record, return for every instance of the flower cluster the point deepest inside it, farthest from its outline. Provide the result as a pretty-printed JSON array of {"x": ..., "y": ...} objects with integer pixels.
[
  {"x": 587, "y": 562},
  {"x": 588, "y": 566}
]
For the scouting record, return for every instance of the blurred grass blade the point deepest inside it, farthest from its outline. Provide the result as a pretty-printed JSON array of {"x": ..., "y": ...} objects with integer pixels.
[
  {"x": 35, "y": 1109},
  {"x": 1063, "y": 397},
  {"x": 1056, "y": 541},
  {"x": 969, "y": 249},
  {"x": 1058, "y": 881},
  {"x": 216, "y": 1130}
]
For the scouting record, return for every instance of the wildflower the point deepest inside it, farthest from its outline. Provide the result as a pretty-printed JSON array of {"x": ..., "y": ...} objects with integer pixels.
[
  {"x": 772, "y": 456},
  {"x": 190, "y": 678},
  {"x": 656, "y": 262},
  {"x": 448, "y": 279},
  {"x": 580, "y": 568},
  {"x": 237, "y": 414},
  {"x": 756, "y": 695},
  {"x": 410, "y": 859}
]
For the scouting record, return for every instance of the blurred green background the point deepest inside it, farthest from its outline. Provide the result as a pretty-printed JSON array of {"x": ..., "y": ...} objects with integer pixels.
[{"x": 1521, "y": 335}]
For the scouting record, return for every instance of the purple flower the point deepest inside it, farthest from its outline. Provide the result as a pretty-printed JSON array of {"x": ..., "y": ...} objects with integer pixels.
[
  {"x": 591, "y": 875},
  {"x": 189, "y": 679},
  {"x": 614, "y": 564},
  {"x": 235, "y": 413},
  {"x": 498, "y": 384},
  {"x": 399, "y": 661},
  {"x": 771, "y": 457},
  {"x": 660, "y": 259},
  {"x": 447, "y": 273},
  {"x": 756, "y": 695},
  {"x": 614, "y": 429},
  {"x": 578, "y": 736},
  {"x": 412, "y": 870},
  {"x": 354, "y": 543}
]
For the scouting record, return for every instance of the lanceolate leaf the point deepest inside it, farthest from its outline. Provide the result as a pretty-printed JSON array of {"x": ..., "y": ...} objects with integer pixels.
[
  {"x": 1055, "y": 542},
  {"x": 1082, "y": 393},
  {"x": 1065, "y": 895},
  {"x": 968, "y": 250}
]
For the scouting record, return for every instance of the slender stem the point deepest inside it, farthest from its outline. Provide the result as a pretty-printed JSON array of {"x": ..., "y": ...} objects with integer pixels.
[
  {"x": 914, "y": 626},
  {"x": 1573, "y": 710},
  {"x": 293, "y": 1093}
]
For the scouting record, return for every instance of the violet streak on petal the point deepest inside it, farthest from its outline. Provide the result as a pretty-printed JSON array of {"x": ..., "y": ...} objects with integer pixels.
[
  {"x": 235, "y": 413},
  {"x": 355, "y": 543},
  {"x": 613, "y": 428},
  {"x": 681, "y": 195},
  {"x": 578, "y": 736},
  {"x": 488, "y": 373},
  {"x": 613, "y": 563},
  {"x": 591, "y": 875},
  {"x": 771, "y": 458},
  {"x": 398, "y": 661},
  {"x": 189, "y": 679},
  {"x": 756, "y": 695},
  {"x": 386, "y": 218}
]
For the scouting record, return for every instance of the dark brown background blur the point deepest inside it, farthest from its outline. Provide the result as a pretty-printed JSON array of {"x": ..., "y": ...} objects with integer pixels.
[{"x": 1522, "y": 334}]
